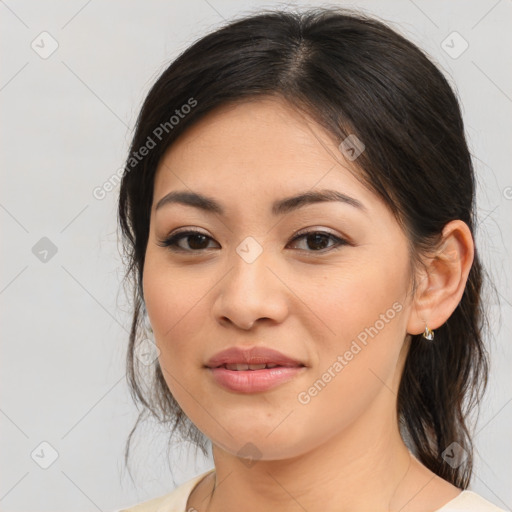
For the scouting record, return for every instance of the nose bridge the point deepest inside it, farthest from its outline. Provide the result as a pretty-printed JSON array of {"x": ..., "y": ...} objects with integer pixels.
[
  {"x": 250, "y": 269},
  {"x": 250, "y": 272},
  {"x": 250, "y": 290}
]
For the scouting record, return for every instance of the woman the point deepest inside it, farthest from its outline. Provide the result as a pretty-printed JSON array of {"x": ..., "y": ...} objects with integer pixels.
[{"x": 298, "y": 213}]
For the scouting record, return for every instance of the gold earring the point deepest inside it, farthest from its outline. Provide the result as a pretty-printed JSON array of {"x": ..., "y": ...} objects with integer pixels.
[{"x": 428, "y": 333}]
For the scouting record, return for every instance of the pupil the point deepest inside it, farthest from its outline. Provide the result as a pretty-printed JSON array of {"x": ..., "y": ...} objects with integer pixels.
[
  {"x": 194, "y": 245},
  {"x": 318, "y": 237}
]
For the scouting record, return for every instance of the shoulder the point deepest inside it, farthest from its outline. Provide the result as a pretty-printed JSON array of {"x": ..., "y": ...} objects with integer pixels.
[
  {"x": 175, "y": 501},
  {"x": 469, "y": 501}
]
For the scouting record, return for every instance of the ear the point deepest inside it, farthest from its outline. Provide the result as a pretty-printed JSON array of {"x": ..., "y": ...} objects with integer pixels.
[{"x": 441, "y": 283}]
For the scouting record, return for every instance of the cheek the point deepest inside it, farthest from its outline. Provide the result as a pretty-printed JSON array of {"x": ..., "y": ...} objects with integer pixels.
[
  {"x": 176, "y": 302},
  {"x": 355, "y": 296},
  {"x": 363, "y": 307}
]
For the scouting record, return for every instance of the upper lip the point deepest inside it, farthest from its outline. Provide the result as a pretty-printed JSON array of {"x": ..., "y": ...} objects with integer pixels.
[{"x": 252, "y": 355}]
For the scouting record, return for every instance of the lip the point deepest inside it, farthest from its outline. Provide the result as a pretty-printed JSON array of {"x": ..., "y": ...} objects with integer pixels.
[
  {"x": 252, "y": 355},
  {"x": 253, "y": 381}
]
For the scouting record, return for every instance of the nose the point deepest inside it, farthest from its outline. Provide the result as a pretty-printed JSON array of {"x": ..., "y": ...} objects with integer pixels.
[{"x": 251, "y": 292}]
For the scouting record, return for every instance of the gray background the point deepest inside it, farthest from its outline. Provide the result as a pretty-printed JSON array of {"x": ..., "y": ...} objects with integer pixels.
[{"x": 66, "y": 125}]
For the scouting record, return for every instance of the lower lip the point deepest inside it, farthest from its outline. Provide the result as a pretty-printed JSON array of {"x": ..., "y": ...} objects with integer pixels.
[{"x": 254, "y": 381}]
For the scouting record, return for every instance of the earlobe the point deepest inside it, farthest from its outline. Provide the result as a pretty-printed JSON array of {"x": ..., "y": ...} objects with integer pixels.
[{"x": 443, "y": 279}]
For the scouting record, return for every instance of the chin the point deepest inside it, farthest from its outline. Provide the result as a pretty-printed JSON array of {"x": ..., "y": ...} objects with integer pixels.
[{"x": 263, "y": 443}]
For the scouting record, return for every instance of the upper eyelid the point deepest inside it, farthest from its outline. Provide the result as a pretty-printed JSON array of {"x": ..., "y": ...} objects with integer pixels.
[
  {"x": 300, "y": 232},
  {"x": 318, "y": 228},
  {"x": 314, "y": 229}
]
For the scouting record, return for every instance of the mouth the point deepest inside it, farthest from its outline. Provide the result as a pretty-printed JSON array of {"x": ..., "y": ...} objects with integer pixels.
[
  {"x": 253, "y": 370},
  {"x": 242, "y": 367}
]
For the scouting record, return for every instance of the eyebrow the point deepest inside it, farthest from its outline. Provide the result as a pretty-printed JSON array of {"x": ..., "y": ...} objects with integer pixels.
[{"x": 279, "y": 207}]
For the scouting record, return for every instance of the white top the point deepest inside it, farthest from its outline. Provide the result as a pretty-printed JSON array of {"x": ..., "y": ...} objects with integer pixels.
[{"x": 176, "y": 501}]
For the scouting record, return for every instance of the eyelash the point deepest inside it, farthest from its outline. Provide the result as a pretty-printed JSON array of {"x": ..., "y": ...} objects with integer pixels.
[{"x": 172, "y": 241}]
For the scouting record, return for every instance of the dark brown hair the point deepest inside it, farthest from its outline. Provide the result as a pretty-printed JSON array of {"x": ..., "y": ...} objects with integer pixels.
[{"x": 353, "y": 75}]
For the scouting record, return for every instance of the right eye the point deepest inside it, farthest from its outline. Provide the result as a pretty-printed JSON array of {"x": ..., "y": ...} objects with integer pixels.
[{"x": 197, "y": 241}]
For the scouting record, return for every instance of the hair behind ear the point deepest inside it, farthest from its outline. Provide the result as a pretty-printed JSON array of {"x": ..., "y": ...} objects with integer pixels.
[{"x": 444, "y": 379}]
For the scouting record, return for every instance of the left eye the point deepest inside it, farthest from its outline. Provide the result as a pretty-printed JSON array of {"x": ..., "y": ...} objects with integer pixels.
[
  {"x": 197, "y": 241},
  {"x": 319, "y": 239}
]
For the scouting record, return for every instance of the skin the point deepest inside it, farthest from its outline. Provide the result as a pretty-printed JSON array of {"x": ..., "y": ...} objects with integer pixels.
[{"x": 342, "y": 450}]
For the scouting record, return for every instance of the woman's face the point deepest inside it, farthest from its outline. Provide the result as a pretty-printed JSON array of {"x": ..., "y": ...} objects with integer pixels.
[{"x": 336, "y": 301}]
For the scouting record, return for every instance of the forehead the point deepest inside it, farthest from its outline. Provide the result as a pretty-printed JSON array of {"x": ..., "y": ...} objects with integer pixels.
[{"x": 263, "y": 145}]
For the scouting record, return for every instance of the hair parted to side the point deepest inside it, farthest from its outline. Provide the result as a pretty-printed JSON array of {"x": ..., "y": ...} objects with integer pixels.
[{"x": 353, "y": 75}]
